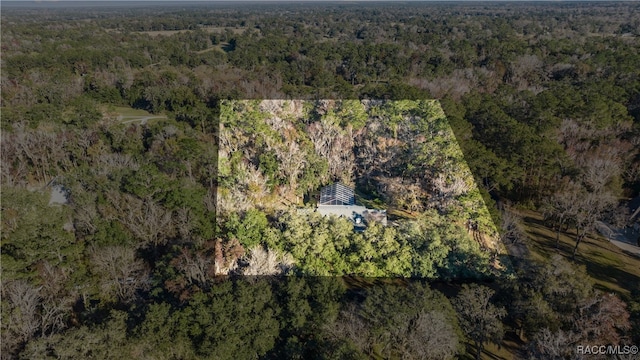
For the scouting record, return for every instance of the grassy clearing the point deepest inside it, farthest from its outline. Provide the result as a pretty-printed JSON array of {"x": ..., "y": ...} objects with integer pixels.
[
  {"x": 508, "y": 350},
  {"x": 610, "y": 267},
  {"x": 128, "y": 111},
  {"x": 126, "y": 114}
]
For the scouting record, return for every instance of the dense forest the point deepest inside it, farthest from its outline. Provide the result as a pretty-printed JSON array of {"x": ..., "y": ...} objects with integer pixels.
[{"x": 180, "y": 234}]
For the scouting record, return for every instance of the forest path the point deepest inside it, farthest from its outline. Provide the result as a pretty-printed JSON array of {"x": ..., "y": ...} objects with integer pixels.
[{"x": 134, "y": 118}]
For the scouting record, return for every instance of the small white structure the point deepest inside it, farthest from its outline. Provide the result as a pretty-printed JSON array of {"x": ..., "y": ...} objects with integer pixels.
[{"x": 59, "y": 195}]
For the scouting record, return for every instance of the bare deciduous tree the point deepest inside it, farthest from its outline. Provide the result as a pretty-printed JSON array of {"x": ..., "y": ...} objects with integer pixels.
[
  {"x": 561, "y": 207},
  {"x": 232, "y": 200},
  {"x": 402, "y": 194},
  {"x": 23, "y": 319},
  {"x": 552, "y": 345},
  {"x": 85, "y": 216},
  {"x": 602, "y": 164},
  {"x": 226, "y": 256},
  {"x": 447, "y": 188},
  {"x": 41, "y": 151},
  {"x": 511, "y": 226},
  {"x": 107, "y": 163},
  {"x": 195, "y": 266},
  {"x": 254, "y": 182},
  {"x": 121, "y": 274},
  {"x": 13, "y": 164},
  {"x": 431, "y": 336},
  {"x": 590, "y": 208},
  {"x": 53, "y": 314},
  {"x": 56, "y": 301},
  {"x": 479, "y": 318},
  {"x": 601, "y": 319},
  {"x": 336, "y": 146},
  {"x": 146, "y": 219},
  {"x": 351, "y": 326},
  {"x": 292, "y": 162},
  {"x": 183, "y": 221},
  {"x": 210, "y": 200},
  {"x": 266, "y": 262}
]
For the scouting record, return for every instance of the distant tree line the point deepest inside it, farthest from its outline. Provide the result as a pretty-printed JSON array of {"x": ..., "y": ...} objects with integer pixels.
[{"x": 542, "y": 99}]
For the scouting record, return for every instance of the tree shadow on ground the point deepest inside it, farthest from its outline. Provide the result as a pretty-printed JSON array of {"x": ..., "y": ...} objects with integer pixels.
[{"x": 508, "y": 350}]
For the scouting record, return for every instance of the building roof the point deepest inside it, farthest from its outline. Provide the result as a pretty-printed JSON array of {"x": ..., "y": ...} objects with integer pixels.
[
  {"x": 59, "y": 195},
  {"x": 348, "y": 211},
  {"x": 359, "y": 215},
  {"x": 337, "y": 194}
]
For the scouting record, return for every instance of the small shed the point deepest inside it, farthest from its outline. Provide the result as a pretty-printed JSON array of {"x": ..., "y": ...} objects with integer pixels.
[{"x": 59, "y": 195}]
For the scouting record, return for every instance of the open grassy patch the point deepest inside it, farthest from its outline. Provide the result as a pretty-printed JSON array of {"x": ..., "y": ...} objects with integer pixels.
[
  {"x": 126, "y": 115},
  {"x": 129, "y": 111},
  {"x": 395, "y": 214},
  {"x": 610, "y": 267}
]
